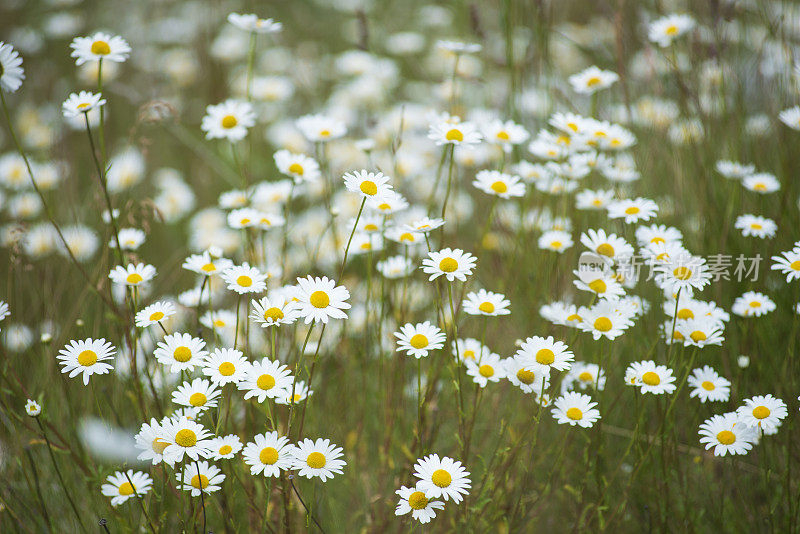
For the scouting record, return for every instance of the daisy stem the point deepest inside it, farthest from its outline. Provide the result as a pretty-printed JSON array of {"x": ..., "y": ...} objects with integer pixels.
[
  {"x": 141, "y": 502},
  {"x": 239, "y": 167},
  {"x": 310, "y": 378},
  {"x": 236, "y": 333},
  {"x": 308, "y": 512},
  {"x": 58, "y": 473},
  {"x": 672, "y": 334},
  {"x": 449, "y": 181},
  {"x": 101, "y": 177},
  {"x": 202, "y": 498},
  {"x": 488, "y": 224},
  {"x": 286, "y": 212},
  {"x": 101, "y": 125},
  {"x": 420, "y": 430},
  {"x": 457, "y": 363},
  {"x": 49, "y": 213},
  {"x": 298, "y": 361},
  {"x": 251, "y": 54},
  {"x": 350, "y": 239},
  {"x": 39, "y": 490}
]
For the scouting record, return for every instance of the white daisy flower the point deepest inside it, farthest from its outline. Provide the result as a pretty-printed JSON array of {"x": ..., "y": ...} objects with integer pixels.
[
  {"x": 132, "y": 275},
  {"x": 701, "y": 332},
  {"x": 733, "y": 170},
  {"x": 458, "y": 47},
  {"x": 442, "y": 477},
  {"x": 225, "y": 366},
  {"x": 415, "y": 501},
  {"x": 201, "y": 477},
  {"x": 452, "y": 263},
  {"x": 265, "y": 379},
  {"x": 575, "y": 408},
  {"x": 727, "y": 435},
  {"x": 297, "y": 392},
  {"x": 489, "y": 368},
  {"x": 545, "y": 351},
  {"x": 206, "y": 265},
  {"x": 244, "y": 279},
  {"x": 655, "y": 233},
  {"x": 756, "y": 226},
  {"x": 425, "y": 225},
  {"x": 788, "y": 263},
  {"x": 505, "y": 134},
  {"x": 752, "y": 304},
  {"x": 228, "y": 120},
  {"x": 131, "y": 239},
  {"x": 11, "y": 73},
  {"x": 666, "y": 29},
  {"x": 682, "y": 271},
  {"x": 150, "y": 440},
  {"x": 583, "y": 376},
  {"x": 454, "y": 133},
  {"x": 320, "y": 128},
  {"x": 419, "y": 339},
  {"x": 650, "y": 378},
  {"x": 32, "y": 408},
  {"x": 529, "y": 377},
  {"x": 273, "y": 312},
  {"x": 86, "y": 357},
  {"x": 708, "y": 385},
  {"x": 224, "y": 447},
  {"x": 608, "y": 246},
  {"x": 83, "y": 102},
  {"x": 762, "y": 182},
  {"x": 555, "y": 240},
  {"x": 185, "y": 438},
  {"x": 252, "y": 23},
  {"x": 763, "y": 412},
  {"x": 200, "y": 394},
  {"x": 791, "y": 117},
  {"x": 499, "y": 184},
  {"x": 469, "y": 349},
  {"x": 100, "y": 46},
  {"x": 121, "y": 486},
  {"x": 298, "y": 166},
  {"x": 604, "y": 319},
  {"x": 181, "y": 352},
  {"x": 152, "y": 314},
  {"x": 268, "y": 453},
  {"x": 395, "y": 267},
  {"x": 592, "y": 79},
  {"x": 317, "y": 458},
  {"x": 367, "y": 184},
  {"x": 639, "y": 209},
  {"x": 320, "y": 299},
  {"x": 486, "y": 303}
]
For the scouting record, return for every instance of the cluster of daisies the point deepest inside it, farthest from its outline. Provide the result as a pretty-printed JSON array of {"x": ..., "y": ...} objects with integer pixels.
[{"x": 438, "y": 478}]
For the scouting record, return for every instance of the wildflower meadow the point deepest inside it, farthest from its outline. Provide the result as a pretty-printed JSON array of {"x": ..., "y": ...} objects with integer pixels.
[{"x": 365, "y": 266}]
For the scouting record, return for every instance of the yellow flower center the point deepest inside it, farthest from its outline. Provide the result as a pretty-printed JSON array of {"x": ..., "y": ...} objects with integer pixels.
[
  {"x": 585, "y": 376},
  {"x": 469, "y": 354},
  {"x": 83, "y": 105},
  {"x": 760, "y": 187},
  {"x": 726, "y": 437},
  {"x": 486, "y": 371},
  {"x": 100, "y": 48},
  {"x": 156, "y": 316},
  {"x": 209, "y": 268},
  {"x": 265, "y": 382},
  {"x": 575, "y": 414},
  {"x": 594, "y": 80},
  {"x": 555, "y": 244},
  {"x": 651, "y": 379},
  {"x": 324, "y": 133},
  {"x": 575, "y": 317},
  {"x": 126, "y": 488},
  {"x": 417, "y": 500},
  {"x": 606, "y": 250},
  {"x": 441, "y": 478},
  {"x": 698, "y": 336},
  {"x": 226, "y": 369},
  {"x": 418, "y": 341},
  {"x": 296, "y": 168},
  {"x": 755, "y": 304},
  {"x": 454, "y": 135},
  {"x": 708, "y": 386},
  {"x": 499, "y": 187},
  {"x": 756, "y": 226},
  {"x": 795, "y": 265},
  {"x": 526, "y": 377},
  {"x": 273, "y": 314},
  {"x": 134, "y": 278},
  {"x": 368, "y": 187},
  {"x": 603, "y": 324},
  {"x": 197, "y": 399},
  {"x": 319, "y": 299},
  {"x": 598, "y": 286},
  {"x": 185, "y": 438},
  {"x": 503, "y": 135},
  {"x": 87, "y": 358},
  {"x": 685, "y": 313},
  {"x": 671, "y": 30},
  {"x": 486, "y": 307},
  {"x": 229, "y": 121},
  {"x": 761, "y": 412},
  {"x": 369, "y": 227},
  {"x": 200, "y": 481},
  {"x": 682, "y": 273},
  {"x": 545, "y": 356},
  {"x": 448, "y": 265},
  {"x": 633, "y": 210},
  {"x": 316, "y": 460},
  {"x": 225, "y": 449},
  {"x": 182, "y": 354},
  {"x": 244, "y": 281},
  {"x": 159, "y": 445},
  {"x": 219, "y": 322},
  {"x": 268, "y": 455}
]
